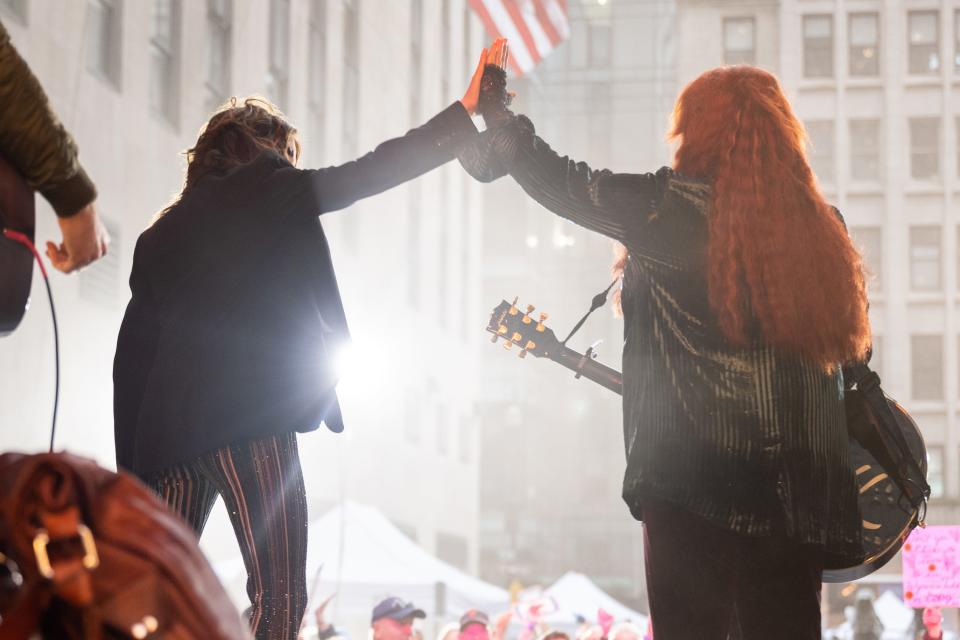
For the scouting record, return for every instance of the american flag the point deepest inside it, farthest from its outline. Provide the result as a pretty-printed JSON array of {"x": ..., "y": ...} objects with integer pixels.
[{"x": 533, "y": 27}]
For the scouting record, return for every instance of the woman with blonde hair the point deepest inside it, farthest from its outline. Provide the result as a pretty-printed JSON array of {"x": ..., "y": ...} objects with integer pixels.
[
  {"x": 742, "y": 297},
  {"x": 226, "y": 347}
]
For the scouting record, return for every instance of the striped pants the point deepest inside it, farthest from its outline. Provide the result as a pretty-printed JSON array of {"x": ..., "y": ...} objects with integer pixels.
[{"x": 262, "y": 486}]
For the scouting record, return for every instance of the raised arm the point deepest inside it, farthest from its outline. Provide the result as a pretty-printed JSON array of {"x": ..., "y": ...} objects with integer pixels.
[
  {"x": 395, "y": 161},
  {"x": 613, "y": 204},
  {"x": 401, "y": 159}
]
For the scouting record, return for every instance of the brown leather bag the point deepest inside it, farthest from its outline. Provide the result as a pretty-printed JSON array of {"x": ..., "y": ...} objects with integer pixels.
[{"x": 101, "y": 558}]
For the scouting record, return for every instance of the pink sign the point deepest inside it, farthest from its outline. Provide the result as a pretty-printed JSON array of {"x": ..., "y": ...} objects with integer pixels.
[{"x": 931, "y": 567}]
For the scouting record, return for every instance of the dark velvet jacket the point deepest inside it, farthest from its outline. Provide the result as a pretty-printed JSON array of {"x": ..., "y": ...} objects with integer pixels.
[
  {"x": 753, "y": 440},
  {"x": 235, "y": 311}
]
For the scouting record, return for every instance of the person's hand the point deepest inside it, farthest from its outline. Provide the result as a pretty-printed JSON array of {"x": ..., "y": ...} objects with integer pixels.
[
  {"x": 85, "y": 240},
  {"x": 472, "y": 96},
  {"x": 499, "y": 53}
]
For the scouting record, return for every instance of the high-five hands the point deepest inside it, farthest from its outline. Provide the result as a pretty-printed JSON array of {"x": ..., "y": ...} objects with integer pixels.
[{"x": 497, "y": 55}]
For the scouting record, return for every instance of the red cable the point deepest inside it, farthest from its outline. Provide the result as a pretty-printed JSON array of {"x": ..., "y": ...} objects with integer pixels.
[{"x": 22, "y": 238}]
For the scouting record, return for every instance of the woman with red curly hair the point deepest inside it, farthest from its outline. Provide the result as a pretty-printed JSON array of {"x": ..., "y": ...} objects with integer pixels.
[{"x": 742, "y": 297}]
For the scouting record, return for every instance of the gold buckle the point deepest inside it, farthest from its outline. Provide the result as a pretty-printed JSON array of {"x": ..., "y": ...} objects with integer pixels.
[{"x": 91, "y": 560}]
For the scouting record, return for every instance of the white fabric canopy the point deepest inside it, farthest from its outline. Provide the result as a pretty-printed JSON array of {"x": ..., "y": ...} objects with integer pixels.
[
  {"x": 365, "y": 558},
  {"x": 575, "y": 594}
]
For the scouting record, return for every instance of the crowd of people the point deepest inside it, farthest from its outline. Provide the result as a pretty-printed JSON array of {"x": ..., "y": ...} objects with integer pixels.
[{"x": 394, "y": 618}]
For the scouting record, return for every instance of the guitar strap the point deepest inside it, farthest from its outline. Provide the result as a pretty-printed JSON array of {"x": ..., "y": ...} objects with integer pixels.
[
  {"x": 598, "y": 301},
  {"x": 909, "y": 475}
]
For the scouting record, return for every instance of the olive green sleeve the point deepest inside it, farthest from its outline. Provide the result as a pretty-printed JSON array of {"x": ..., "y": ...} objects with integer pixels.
[{"x": 33, "y": 139}]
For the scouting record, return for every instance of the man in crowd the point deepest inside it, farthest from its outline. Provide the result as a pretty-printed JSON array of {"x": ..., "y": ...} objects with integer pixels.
[
  {"x": 474, "y": 625},
  {"x": 36, "y": 144},
  {"x": 392, "y": 619}
]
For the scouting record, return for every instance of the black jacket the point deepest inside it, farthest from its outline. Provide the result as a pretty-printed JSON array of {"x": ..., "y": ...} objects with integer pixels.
[
  {"x": 753, "y": 440},
  {"x": 235, "y": 310}
]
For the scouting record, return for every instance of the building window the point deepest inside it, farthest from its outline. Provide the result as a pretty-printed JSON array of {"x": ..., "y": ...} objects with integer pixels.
[
  {"x": 926, "y": 361},
  {"x": 924, "y": 41},
  {"x": 818, "y": 46},
  {"x": 412, "y": 417},
  {"x": 416, "y": 60},
  {"x": 935, "y": 473},
  {"x": 316, "y": 89},
  {"x": 599, "y": 44},
  {"x": 446, "y": 52},
  {"x": 104, "y": 19},
  {"x": 867, "y": 239},
  {"x": 279, "y": 54},
  {"x": 925, "y": 258},
  {"x": 351, "y": 75},
  {"x": 864, "y": 44},
  {"x": 414, "y": 206},
  {"x": 578, "y": 44},
  {"x": 452, "y": 550},
  {"x": 865, "y": 150},
  {"x": 15, "y": 8},
  {"x": 164, "y": 71},
  {"x": 465, "y": 439},
  {"x": 956, "y": 40},
  {"x": 820, "y": 149},
  {"x": 220, "y": 34},
  {"x": 443, "y": 430},
  {"x": 739, "y": 43},
  {"x": 925, "y": 148},
  {"x": 350, "y": 139}
]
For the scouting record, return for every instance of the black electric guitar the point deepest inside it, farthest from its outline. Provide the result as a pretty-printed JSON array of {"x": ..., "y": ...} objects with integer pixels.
[
  {"x": 889, "y": 504},
  {"x": 17, "y": 212}
]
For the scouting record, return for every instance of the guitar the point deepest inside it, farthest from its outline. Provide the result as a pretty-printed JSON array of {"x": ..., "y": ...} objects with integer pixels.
[
  {"x": 17, "y": 212},
  {"x": 887, "y": 510}
]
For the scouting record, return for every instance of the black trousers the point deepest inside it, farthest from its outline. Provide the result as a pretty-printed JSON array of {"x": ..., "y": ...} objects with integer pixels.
[
  {"x": 708, "y": 583},
  {"x": 262, "y": 486}
]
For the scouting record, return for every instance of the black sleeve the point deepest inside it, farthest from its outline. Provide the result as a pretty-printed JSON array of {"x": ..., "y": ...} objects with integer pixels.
[
  {"x": 614, "y": 204},
  {"x": 136, "y": 348},
  {"x": 395, "y": 161}
]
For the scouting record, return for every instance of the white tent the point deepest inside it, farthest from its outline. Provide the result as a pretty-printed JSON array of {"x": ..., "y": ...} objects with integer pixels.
[
  {"x": 365, "y": 558},
  {"x": 575, "y": 594}
]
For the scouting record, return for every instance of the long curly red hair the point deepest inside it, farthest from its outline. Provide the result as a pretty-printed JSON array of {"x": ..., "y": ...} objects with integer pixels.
[{"x": 780, "y": 261}]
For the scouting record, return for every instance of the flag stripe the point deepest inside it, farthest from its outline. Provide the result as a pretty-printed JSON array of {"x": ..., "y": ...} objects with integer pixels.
[
  {"x": 547, "y": 23},
  {"x": 521, "y": 26},
  {"x": 532, "y": 27}
]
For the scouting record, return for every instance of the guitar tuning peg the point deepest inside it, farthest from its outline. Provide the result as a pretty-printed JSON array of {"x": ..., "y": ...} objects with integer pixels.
[
  {"x": 530, "y": 309},
  {"x": 522, "y": 354},
  {"x": 507, "y": 345},
  {"x": 526, "y": 319},
  {"x": 543, "y": 317},
  {"x": 493, "y": 338},
  {"x": 530, "y": 345}
]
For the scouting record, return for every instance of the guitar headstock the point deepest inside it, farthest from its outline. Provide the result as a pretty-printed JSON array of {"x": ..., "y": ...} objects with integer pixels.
[{"x": 519, "y": 328}]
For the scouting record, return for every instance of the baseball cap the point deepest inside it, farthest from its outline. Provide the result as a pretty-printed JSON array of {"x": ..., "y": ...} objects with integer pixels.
[
  {"x": 473, "y": 616},
  {"x": 397, "y": 609}
]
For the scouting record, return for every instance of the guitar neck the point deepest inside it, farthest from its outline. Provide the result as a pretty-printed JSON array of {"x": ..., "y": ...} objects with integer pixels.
[{"x": 589, "y": 368}]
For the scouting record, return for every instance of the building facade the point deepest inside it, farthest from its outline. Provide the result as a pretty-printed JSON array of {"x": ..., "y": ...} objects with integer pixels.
[
  {"x": 553, "y": 446},
  {"x": 876, "y": 83},
  {"x": 133, "y": 81}
]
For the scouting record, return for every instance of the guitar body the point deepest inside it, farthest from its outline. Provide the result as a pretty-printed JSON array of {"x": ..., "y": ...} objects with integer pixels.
[
  {"x": 887, "y": 514},
  {"x": 17, "y": 212}
]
